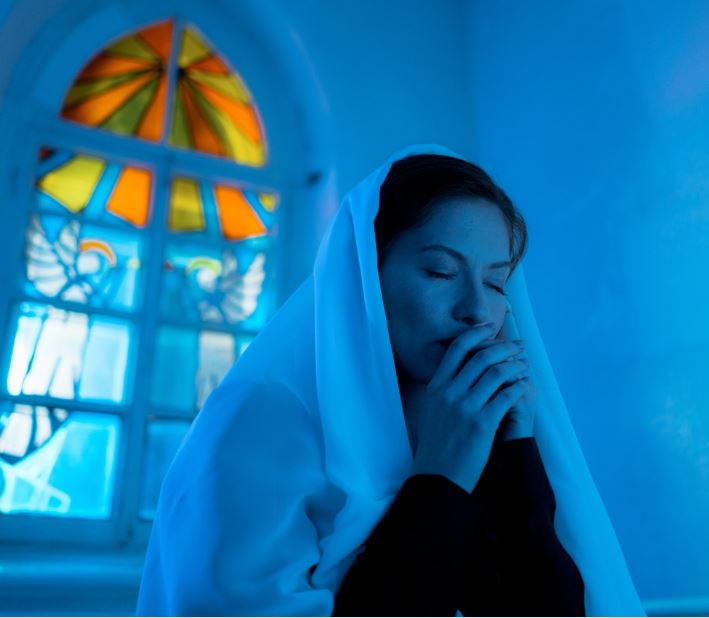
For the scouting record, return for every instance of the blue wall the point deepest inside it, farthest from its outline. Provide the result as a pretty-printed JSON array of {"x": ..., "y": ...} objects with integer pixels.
[{"x": 595, "y": 116}]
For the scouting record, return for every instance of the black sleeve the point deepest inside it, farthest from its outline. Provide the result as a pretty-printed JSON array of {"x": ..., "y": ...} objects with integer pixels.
[
  {"x": 414, "y": 560},
  {"x": 536, "y": 575}
]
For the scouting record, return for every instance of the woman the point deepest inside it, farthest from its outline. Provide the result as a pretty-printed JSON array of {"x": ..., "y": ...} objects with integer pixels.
[
  {"x": 299, "y": 454},
  {"x": 497, "y": 554}
]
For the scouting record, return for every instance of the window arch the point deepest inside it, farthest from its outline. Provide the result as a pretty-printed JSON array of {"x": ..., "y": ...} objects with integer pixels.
[{"x": 163, "y": 264}]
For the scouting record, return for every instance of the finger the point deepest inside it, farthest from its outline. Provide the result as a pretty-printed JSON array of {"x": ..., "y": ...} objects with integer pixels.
[
  {"x": 509, "y": 327},
  {"x": 488, "y": 354},
  {"x": 501, "y": 403},
  {"x": 495, "y": 378},
  {"x": 459, "y": 348}
]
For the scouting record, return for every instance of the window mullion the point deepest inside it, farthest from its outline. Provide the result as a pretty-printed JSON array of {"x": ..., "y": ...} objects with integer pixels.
[{"x": 129, "y": 490}]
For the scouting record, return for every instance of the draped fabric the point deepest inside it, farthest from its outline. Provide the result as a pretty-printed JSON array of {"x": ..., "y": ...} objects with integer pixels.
[{"x": 303, "y": 447}]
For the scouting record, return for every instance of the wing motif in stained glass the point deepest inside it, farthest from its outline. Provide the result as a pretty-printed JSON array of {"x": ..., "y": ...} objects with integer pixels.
[{"x": 97, "y": 268}]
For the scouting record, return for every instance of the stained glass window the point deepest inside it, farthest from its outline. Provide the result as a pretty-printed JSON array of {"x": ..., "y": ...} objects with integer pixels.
[
  {"x": 55, "y": 462},
  {"x": 120, "y": 271},
  {"x": 123, "y": 89}
]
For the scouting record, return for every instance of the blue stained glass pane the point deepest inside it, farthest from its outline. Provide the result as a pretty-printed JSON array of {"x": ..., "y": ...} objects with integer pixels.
[
  {"x": 66, "y": 354},
  {"x": 208, "y": 284},
  {"x": 81, "y": 263},
  {"x": 162, "y": 440},
  {"x": 264, "y": 204},
  {"x": 189, "y": 364},
  {"x": 57, "y": 463}
]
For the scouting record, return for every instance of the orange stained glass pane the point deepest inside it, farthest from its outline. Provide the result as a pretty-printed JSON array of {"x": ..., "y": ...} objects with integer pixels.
[
  {"x": 237, "y": 218},
  {"x": 211, "y": 64},
  {"x": 202, "y": 135},
  {"x": 97, "y": 109},
  {"x": 159, "y": 37},
  {"x": 130, "y": 199},
  {"x": 152, "y": 123}
]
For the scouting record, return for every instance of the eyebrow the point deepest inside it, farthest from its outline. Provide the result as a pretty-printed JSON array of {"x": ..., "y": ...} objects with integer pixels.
[{"x": 459, "y": 255}]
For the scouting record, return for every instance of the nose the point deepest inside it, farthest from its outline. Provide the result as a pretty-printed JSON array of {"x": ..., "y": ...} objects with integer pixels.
[{"x": 472, "y": 308}]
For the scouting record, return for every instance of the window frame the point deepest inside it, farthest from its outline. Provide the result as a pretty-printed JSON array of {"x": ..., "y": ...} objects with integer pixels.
[{"x": 45, "y": 127}]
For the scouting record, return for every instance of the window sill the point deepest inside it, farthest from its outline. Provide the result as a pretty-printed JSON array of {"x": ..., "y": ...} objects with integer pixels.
[{"x": 70, "y": 582}]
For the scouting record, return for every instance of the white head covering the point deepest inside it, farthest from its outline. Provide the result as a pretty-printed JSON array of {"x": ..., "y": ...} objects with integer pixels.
[{"x": 300, "y": 451}]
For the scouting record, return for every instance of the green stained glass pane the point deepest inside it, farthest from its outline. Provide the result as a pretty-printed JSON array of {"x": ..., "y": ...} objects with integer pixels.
[
  {"x": 85, "y": 90},
  {"x": 127, "y": 118},
  {"x": 180, "y": 133}
]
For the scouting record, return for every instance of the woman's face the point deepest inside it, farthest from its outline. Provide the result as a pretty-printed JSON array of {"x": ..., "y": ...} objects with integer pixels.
[{"x": 422, "y": 307}]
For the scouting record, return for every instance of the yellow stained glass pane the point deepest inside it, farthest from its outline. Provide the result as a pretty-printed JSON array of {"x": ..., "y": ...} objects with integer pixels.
[
  {"x": 193, "y": 49},
  {"x": 186, "y": 213},
  {"x": 268, "y": 201},
  {"x": 73, "y": 184},
  {"x": 228, "y": 85}
]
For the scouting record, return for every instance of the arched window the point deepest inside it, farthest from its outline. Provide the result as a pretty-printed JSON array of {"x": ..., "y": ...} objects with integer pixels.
[{"x": 146, "y": 269}]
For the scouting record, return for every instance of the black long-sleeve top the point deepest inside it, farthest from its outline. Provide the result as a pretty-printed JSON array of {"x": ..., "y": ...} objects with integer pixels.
[{"x": 493, "y": 552}]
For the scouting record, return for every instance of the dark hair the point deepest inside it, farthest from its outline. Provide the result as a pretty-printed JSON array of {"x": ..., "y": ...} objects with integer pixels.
[{"x": 413, "y": 184}]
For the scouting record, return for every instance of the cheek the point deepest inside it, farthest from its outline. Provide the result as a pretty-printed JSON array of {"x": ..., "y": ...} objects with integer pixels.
[{"x": 417, "y": 308}]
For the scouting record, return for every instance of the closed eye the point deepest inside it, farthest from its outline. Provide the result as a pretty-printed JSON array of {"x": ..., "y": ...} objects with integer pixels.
[{"x": 445, "y": 276}]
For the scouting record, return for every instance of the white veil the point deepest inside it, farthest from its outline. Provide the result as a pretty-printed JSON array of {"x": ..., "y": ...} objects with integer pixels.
[{"x": 299, "y": 452}]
